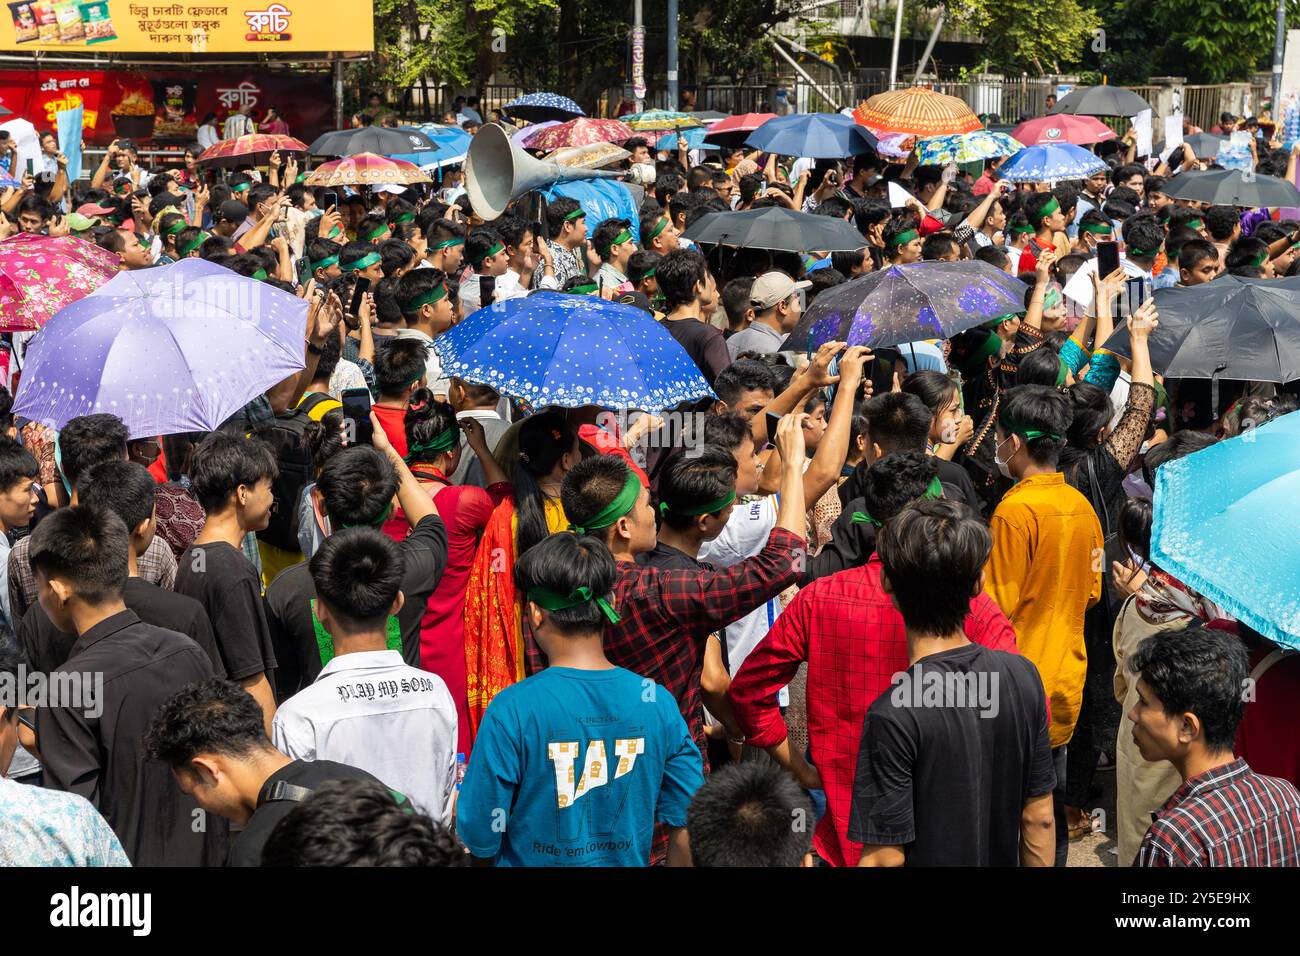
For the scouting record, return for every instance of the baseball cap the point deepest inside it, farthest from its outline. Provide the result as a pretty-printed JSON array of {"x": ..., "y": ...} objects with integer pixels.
[
  {"x": 92, "y": 209},
  {"x": 232, "y": 210},
  {"x": 79, "y": 223},
  {"x": 393, "y": 188},
  {"x": 772, "y": 288},
  {"x": 638, "y": 299}
]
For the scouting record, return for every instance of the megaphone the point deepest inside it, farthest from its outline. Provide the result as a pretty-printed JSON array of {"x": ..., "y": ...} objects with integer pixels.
[{"x": 497, "y": 171}]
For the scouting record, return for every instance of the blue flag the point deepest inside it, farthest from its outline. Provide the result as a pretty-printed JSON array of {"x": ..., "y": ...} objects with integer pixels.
[{"x": 69, "y": 123}]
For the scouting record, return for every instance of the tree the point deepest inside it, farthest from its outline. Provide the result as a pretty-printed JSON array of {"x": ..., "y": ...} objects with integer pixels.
[{"x": 1028, "y": 35}]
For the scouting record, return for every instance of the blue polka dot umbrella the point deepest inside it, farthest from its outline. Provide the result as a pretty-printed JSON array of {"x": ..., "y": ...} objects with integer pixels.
[
  {"x": 1049, "y": 163},
  {"x": 178, "y": 348},
  {"x": 539, "y": 107},
  {"x": 898, "y": 304},
  {"x": 556, "y": 348}
]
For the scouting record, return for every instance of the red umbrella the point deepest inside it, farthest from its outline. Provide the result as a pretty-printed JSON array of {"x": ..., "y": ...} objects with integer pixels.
[
  {"x": 582, "y": 131},
  {"x": 1062, "y": 128},
  {"x": 252, "y": 150},
  {"x": 366, "y": 169},
  {"x": 734, "y": 130},
  {"x": 39, "y": 275}
]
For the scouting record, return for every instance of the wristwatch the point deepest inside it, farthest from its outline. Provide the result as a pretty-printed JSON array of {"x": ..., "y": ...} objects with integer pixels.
[{"x": 315, "y": 349}]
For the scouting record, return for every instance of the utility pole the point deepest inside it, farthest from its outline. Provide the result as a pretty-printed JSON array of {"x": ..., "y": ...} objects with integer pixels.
[
  {"x": 898, "y": 35},
  {"x": 638, "y": 56},
  {"x": 673, "y": 100},
  {"x": 1278, "y": 49}
]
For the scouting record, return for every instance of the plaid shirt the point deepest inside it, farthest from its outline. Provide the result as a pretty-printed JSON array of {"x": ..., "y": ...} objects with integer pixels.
[
  {"x": 1228, "y": 816},
  {"x": 667, "y": 614},
  {"x": 848, "y": 630}
]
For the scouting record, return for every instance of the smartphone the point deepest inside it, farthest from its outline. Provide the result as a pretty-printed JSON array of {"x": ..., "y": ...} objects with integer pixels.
[
  {"x": 27, "y": 720},
  {"x": 358, "y": 293},
  {"x": 356, "y": 411},
  {"x": 1136, "y": 292},
  {"x": 772, "y": 422},
  {"x": 329, "y": 198},
  {"x": 30, "y": 167},
  {"x": 1107, "y": 258}
]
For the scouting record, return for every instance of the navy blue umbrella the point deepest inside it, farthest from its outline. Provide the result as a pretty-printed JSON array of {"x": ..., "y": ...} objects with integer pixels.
[
  {"x": 923, "y": 300},
  {"x": 539, "y": 107},
  {"x": 814, "y": 135}
]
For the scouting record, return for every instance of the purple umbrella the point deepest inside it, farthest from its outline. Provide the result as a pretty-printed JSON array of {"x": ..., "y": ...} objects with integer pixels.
[
  {"x": 178, "y": 348},
  {"x": 519, "y": 137}
]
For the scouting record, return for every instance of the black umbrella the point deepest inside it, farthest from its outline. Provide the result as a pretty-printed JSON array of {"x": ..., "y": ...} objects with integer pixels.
[
  {"x": 1204, "y": 145},
  {"x": 1235, "y": 328},
  {"x": 381, "y": 140},
  {"x": 1231, "y": 187},
  {"x": 897, "y": 304},
  {"x": 776, "y": 228},
  {"x": 1101, "y": 101}
]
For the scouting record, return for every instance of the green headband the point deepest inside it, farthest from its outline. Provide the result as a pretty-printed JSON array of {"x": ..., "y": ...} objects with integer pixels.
[
  {"x": 713, "y": 507},
  {"x": 176, "y": 228},
  {"x": 991, "y": 346},
  {"x": 194, "y": 243},
  {"x": 1062, "y": 372},
  {"x": 435, "y": 294},
  {"x": 1017, "y": 230},
  {"x": 334, "y": 232},
  {"x": 1143, "y": 253},
  {"x": 404, "y": 217},
  {"x": 496, "y": 247},
  {"x": 365, "y": 262},
  {"x": 1051, "y": 206},
  {"x": 903, "y": 238},
  {"x": 1052, "y": 299},
  {"x": 241, "y": 187},
  {"x": 618, "y": 240},
  {"x": 260, "y": 275},
  {"x": 455, "y": 241},
  {"x": 375, "y": 233},
  {"x": 935, "y": 490},
  {"x": 992, "y": 324},
  {"x": 636, "y": 277},
  {"x": 1260, "y": 259},
  {"x": 445, "y": 441},
  {"x": 378, "y": 522},
  {"x": 324, "y": 263},
  {"x": 660, "y": 226},
  {"x": 576, "y": 214},
  {"x": 551, "y": 601},
  {"x": 616, "y": 509},
  {"x": 585, "y": 289},
  {"x": 1096, "y": 228},
  {"x": 1029, "y": 434},
  {"x": 1195, "y": 224}
]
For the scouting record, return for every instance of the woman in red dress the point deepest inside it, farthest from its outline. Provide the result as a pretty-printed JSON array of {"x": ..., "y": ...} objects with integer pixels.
[{"x": 434, "y": 450}]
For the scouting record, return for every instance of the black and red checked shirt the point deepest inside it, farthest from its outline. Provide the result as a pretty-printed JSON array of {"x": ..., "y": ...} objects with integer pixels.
[{"x": 1228, "y": 816}]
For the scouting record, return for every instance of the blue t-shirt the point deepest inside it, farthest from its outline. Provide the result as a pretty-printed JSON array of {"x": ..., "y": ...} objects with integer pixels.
[{"x": 574, "y": 768}]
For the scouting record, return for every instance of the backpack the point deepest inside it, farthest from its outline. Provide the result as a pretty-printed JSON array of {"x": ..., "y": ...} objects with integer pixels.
[{"x": 287, "y": 437}]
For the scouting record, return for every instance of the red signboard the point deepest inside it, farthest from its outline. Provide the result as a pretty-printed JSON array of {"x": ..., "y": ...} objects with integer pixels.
[{"x": 164, "y": 107}]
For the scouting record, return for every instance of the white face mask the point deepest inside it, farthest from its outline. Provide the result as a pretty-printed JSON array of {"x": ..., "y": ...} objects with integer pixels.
[{"x": 1003, "y": 465}]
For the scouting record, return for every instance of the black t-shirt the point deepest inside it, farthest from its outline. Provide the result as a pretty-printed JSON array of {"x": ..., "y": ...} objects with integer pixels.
[
  {"x": 246, "y": 848},
  {"x": 225, "y": 582},
  {"x": 289, "y": 615},
  {"x": 665, "y": 557},
  {"x": 950, "y": 755},
  {"x": 703, "y": 343},
  {"x": 950, "y": 474},
  {"x": 47, "y": 647}
]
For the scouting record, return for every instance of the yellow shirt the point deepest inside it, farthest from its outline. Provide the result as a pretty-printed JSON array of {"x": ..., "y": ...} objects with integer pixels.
[{"x": 1044, "y": 572}]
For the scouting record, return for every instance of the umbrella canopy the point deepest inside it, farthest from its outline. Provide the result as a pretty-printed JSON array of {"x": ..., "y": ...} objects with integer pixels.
[
  {"x": 553, "y": 348},
  {"x": 896, "y": 145},
  {"x": 734, "y": 130},
  {"x": 1101, "y": 101},
  {"x": 708, "y": 117},
  {"x": 537, "y": 107},
  {"x": 695, "y": 139},
  {"x": 451, "y": 143},
  {"x": 661, "y": 121},
  {"x": 1229, "y": 328},
  {"x": 814, "y": 135},
  {"x": 1063, "y": 128},
  {"x": 1220, "y": 526},
  {"x": 582, "y": 131},
  {"x": 923, "y": 300},
  {"x": 917, "y": 110},
  {"x": 178, "y": 348},
  {"x": 39, "y": 275},
  {"x": 965, "y": 148},
  {"x": 775, "y": 228},
  {"x": 371, "y": 139},
  {"x": 366, "y": 169},
  {"x": 1230, "y": 187},
  {"x": 1204, "y": 144},
  {"x": 252, "y": 150},
  {"x": 1045, "y": 164},
  {"x": 520, "y": 137}
]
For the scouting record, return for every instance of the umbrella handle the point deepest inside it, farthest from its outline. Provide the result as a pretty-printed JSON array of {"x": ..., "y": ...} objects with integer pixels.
[{"x": 1214, "y": 389}]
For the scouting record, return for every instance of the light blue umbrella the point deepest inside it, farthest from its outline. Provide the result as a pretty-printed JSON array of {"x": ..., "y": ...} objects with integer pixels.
[
  {"x": 452, "y": 143},
  {"x": 814, "y": 135},
  {"x": 1225, "y": 526},
  {"x": 1050, "y": 162},
  {"x": 558, "y": 348},
  {"x": 694, "y": 139}
]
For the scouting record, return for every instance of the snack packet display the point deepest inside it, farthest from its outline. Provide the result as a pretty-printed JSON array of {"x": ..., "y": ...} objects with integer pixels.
[
  {"x": 25, "y": 28},
  {"x": 97, "y": 21}
]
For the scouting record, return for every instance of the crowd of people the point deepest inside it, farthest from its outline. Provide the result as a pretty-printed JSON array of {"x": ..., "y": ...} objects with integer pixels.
[{"x": 888, "y": 607}]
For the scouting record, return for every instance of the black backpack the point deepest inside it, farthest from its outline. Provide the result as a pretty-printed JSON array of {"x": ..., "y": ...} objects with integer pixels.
[{"x": 287, "y": 436}]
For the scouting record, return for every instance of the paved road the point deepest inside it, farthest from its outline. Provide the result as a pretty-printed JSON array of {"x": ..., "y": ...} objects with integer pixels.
[{"x": 1098, "y": 848}]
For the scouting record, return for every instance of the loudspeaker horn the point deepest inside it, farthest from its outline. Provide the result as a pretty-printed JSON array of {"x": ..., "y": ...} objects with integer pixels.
[{"x": 497, "y": 171}]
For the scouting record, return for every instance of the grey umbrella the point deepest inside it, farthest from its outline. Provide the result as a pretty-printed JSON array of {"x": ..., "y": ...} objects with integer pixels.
[
  {"x": 1232, "y": 187},
  {"x": 778, "y": 229},
  {"x": 381, "y": 140},
  {"x": 1101, "y": 101}
]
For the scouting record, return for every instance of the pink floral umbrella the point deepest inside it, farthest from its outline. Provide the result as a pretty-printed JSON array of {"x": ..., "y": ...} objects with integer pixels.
[
  {"x": 39, "y": 275},
  {"x": 582, "y": 131}
]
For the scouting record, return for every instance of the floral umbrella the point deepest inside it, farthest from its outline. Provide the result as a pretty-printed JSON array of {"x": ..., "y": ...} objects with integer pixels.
[
  {"x": 366, "y": 169},
  {"x": 896, "y": 145},
  {"x": 252, "y": 150},
  {"x": 582, "y": 131},
  {"x": 965, "y": 148},
  {"x": 39, "y": 275},
  {"x": 917, "y": 110},
  {"x": 660, "y": 121}
]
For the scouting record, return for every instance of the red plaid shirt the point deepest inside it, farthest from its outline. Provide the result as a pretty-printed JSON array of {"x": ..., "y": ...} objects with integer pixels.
[
  {"x": 668, "y": 613},
  {"x": 852, "y": 637},
  {"x": 1228, "y": 816}
]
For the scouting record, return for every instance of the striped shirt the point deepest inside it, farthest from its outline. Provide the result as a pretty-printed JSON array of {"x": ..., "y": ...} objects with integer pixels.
[{"x": 1228, "y": 816}]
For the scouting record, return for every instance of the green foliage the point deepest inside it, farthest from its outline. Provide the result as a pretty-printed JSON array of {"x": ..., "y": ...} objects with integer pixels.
[{"x": 1028, "y": 35}]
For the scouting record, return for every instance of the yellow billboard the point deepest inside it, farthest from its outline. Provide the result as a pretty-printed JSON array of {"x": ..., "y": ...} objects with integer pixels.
[{"x": 243, "y": 26}]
